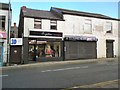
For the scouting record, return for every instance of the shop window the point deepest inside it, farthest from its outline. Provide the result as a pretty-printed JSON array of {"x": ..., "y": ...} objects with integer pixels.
[
  {"x": 108, "y": 27},
  {"x": 88, "y": 26},
  {"x": 44, "y": 49},
  {"x": 37, "y": 23},
  {"x": 53, "y": 24},
  {"x": 2, "y": 22}
]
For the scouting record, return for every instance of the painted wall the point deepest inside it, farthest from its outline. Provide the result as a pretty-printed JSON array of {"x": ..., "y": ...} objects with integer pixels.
[
  {"x": 28, "y": 24},
  {"x": 45, "y": 26},
  {"x": 75, "y": 25},
  {"x": 5, "y": 13}
]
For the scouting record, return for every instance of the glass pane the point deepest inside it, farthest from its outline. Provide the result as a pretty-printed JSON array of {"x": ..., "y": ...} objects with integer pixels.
[
  {"x": 108, "y": 26},
  {"x": 37, "y": 19},
  {"x": 2, "y": 22},
  {"x": 54, "y": 27},
  {"x": 48, "y": 49},
  {"x": 53, "y": 21},
  {"x": 44, "y": 49},
  {"x": 37, "y": 26}
]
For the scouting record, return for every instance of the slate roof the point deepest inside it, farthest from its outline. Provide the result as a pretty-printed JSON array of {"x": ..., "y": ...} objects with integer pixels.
[
  {"x": 80, "y": 13},
  {"x": 40, "y": 14},
  {"x": 54, "y": 13}
]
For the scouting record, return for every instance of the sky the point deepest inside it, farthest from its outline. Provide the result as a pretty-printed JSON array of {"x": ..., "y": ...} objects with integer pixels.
[{"x": 105, "y": 8}]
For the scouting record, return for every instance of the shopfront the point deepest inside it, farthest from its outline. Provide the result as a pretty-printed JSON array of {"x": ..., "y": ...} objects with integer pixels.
[
  {"x": 3, "y": 47},
  {"x": 1, "y": 52},
  {"x": 80, "y": 47},
  {"x": 43, "y": 46},
  {"x": 45, "y": 49}
]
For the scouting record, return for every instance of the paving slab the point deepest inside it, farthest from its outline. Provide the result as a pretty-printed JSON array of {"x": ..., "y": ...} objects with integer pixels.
[{"x": 107, "y": 84}]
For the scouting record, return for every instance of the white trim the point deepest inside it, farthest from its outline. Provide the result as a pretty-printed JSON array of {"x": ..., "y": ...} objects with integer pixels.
[
  {"x": 44, "y": 37},
  {"x": 44, "y": 30}
]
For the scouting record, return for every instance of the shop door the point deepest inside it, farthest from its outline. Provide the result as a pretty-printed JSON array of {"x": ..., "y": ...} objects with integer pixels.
[
  {"x": 109, "y": 49},
  {"x": 80, "y": 50},
  {"x": 15, "y": 54},
  {"x": 1, "y": 54}
]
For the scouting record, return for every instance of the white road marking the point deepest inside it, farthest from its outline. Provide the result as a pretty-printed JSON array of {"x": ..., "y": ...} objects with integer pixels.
[
  {"x": 84, "y": 67},
  {"x": 3, "y": 76},
  {"x": 62, "y": 69}
]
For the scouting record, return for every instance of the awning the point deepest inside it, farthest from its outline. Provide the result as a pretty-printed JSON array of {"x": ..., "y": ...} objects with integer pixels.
[
  {"x": 3, "y": 35},
  {"x": 80, "y": 38}
]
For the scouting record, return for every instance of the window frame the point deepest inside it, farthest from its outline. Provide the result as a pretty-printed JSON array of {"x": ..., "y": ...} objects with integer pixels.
[
  {"x": 86, "y": 23},
  {"x": 2, "y": 22},
  {"x": 37, "y": 22},
  {"x": 109, "y": 25},
  {"x": 53, "y": 23}
]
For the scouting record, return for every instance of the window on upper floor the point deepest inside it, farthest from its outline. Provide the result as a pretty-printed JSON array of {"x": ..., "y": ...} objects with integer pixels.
[
  {"x": 37, "y": 23},
  {"x": 88, "y": 26},
  {"x": 108, "y": 27},
  {"x": 2, "y": 22},
  {"x": 53, "y": 24}
]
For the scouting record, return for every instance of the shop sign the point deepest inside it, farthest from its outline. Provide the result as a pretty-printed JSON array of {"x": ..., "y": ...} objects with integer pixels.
[
  {"x": 45, "y": 33},
  {"x": 3, "y": 35},
  {"x": 80, "y": 38},
  {"x": 16, "y": 41}
]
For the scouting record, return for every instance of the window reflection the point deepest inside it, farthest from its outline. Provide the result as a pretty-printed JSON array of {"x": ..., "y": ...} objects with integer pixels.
[{"x": 41, "y": 49}]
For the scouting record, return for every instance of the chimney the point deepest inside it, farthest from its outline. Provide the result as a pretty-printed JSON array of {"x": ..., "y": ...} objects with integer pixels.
[
  {"x": 24, "y": 8},
  {"x": 14, "y": 25}
]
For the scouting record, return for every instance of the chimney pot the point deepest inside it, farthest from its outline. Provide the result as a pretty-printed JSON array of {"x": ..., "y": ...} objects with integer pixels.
[
  {"x": 14, "y": 25},
  {"x": 24, "y": 8}
]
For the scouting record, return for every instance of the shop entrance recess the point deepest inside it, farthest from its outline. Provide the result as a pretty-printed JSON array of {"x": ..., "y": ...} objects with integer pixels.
[
  {"x": 1, "y": 53},
  {"x": 109, "y": 48}
]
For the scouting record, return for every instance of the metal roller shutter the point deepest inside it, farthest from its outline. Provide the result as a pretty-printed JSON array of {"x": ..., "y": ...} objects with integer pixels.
[{"x": 78, "y": 50}]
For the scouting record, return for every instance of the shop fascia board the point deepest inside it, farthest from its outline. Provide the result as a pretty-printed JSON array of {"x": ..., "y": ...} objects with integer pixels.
[
  {"x": 45, "y": 30},
  {"x": 31, "y": 36}
]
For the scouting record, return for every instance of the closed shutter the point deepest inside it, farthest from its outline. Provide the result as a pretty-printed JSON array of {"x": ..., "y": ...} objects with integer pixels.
[{"x": 78, "y": 50}]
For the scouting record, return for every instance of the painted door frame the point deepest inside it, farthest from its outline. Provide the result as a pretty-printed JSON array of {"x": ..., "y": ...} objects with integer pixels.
[
  {"x": 107, "y": 51},
  {"x": 2, "y": 50}
]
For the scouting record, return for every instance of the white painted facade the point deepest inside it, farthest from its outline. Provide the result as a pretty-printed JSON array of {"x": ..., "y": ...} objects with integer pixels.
[
  {"x": 75, "y": 25},
  {"x": 5, "y": 13}
]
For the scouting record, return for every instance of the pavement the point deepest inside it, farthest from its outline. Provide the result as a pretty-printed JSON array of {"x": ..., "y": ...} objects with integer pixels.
[
  {"x": 107, "y": 84},
  {"x": 100, "y": 60}
]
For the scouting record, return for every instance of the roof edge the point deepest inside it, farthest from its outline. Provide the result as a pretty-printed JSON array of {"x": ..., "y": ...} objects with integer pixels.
[{"x": 76, "y": 12}]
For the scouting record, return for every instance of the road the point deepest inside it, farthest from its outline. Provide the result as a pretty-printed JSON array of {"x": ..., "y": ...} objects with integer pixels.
[{"x": 59, "y": 75}]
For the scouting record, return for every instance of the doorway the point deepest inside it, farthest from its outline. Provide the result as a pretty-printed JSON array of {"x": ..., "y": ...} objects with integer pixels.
[
  {"x": 109, "y": 49},
  {"x": 15, "y": 54},
  {"x": 1, "y": 53}
]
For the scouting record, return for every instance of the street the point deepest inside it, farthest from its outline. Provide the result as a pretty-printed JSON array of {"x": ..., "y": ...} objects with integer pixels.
[{"x": 59, "y": 75}]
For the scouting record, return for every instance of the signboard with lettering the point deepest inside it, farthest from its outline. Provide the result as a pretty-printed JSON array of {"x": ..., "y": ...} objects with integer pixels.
[
  {"x": 46, "y": 33},
  {"x": 16, "y": 41},
  {"x": 80, "y": 38}
]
